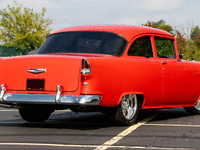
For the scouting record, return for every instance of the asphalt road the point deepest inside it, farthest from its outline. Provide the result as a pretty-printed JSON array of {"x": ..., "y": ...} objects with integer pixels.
[{"x": 158, "y": 130}]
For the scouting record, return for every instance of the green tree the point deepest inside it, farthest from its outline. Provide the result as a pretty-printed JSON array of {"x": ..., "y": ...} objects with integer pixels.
[
  {"x": 23, "y": 28},
  {"x": 160, "y": 25},
  {"x": 188, "y": 47},
  {"x": 181, "y": 42},
  {"x": 194, "y": 50},
  {"x": 197, "y": 41},
  {"x": 195, "y": 32}
]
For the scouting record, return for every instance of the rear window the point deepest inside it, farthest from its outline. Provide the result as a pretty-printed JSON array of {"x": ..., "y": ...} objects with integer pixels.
[{"x": 84, "y": 42}]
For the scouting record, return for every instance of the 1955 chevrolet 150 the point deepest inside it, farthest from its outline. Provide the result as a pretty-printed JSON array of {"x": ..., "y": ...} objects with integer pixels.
[{"x": 113, "y": 69}]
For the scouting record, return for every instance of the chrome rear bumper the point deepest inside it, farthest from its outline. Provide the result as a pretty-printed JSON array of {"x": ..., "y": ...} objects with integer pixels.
[
  {"x": 89, "y": 100},
  {"x": 51, "y": 99}
]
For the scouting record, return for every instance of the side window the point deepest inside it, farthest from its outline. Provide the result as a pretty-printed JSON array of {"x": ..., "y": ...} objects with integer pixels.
[
  {"x": 141, "y": 47},
  {"x": 165, "y": 47}
]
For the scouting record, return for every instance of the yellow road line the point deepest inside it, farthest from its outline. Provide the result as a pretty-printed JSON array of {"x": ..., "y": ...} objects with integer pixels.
[
  {"x": 55, "y": 123},
  {"x": 154, "y": 148},
  {"x": 123, "y": 134},
  {"x": 67, "y": 110},
  {"x": 46, "y": 144},
  {"x": 9, "y": 110},
  {"x": 173, "y": 125}
]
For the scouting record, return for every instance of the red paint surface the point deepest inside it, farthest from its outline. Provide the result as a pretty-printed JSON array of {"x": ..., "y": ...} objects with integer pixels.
[{"x": 173, "y": 84}]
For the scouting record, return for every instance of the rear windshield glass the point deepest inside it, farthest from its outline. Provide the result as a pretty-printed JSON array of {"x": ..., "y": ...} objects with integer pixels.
[{"x": 84, "y": 42}]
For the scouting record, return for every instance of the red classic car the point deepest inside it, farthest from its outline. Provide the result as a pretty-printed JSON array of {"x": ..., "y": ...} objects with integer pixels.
[{"x": 117, "y": 70}]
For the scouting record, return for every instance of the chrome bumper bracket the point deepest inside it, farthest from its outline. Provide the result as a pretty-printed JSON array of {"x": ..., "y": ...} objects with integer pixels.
[
  {"x": 3, "y": 89},
  {"x": 58, "y": 93}
]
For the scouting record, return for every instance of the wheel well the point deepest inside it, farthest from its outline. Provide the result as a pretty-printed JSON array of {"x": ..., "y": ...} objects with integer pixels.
[{"x": 140, "y": 98}]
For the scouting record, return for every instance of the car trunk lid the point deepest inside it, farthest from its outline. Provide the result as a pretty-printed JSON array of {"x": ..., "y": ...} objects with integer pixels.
[{"x": 41, "y": 73}]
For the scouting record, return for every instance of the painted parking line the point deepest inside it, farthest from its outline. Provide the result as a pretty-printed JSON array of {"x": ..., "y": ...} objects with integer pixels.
[
  {"x": 123, "y": 134},
  {"x": 154, "y": 148},
  {"x": 47, "y": 144},
  {"x": 67, "y": 110},
  {"x": 18, "y": 110},
  {"x": 54, "y": 123},
  {"x": 90, "y": 146},
  {"x": 9, "y": 110},
  {"x": 173, "y": 125}
]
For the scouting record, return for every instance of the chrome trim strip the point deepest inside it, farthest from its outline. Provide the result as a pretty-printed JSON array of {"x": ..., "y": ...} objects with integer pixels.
[{"x": 92, "y": 100}]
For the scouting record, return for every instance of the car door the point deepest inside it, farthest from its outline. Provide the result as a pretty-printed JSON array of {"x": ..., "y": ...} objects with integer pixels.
[
  {"x": 147, "y": 77},
  {"x": 176, "y": 75}
]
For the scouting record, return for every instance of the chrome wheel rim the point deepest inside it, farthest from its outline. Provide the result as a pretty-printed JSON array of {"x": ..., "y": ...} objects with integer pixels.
[
  {"x": 129, "y": 106},
  {"x": 197, "y": 106}
]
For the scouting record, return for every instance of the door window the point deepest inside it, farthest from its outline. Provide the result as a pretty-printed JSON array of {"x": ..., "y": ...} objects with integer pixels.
[
  {"x": 141, "y": 47},
  {"x": 165, "y": 47}
]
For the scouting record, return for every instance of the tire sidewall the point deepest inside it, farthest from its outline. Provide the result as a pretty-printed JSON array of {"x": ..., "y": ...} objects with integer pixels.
[
  {"x": 117, "y": 116},
  {"x": 33, "y": 115}
]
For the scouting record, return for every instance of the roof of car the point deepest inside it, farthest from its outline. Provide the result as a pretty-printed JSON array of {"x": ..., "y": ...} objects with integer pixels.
[{"x": 127, "y": 31}]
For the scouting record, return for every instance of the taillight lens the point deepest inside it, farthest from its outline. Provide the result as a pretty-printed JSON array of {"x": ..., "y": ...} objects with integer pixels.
[{"x": 85, "y": 67}]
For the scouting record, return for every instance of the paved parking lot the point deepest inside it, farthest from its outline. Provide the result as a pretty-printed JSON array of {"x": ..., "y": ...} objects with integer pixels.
[{"x": 158, "y": 130}]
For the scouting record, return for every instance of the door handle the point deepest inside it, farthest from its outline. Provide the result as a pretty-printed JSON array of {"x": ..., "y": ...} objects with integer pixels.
[{"x": 163, "y": 62}]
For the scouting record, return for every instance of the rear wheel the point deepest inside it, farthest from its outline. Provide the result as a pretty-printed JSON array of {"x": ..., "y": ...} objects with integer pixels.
[
  {"x": 34, "y": 115},
  {"x": 195, "y": 110},
  {"x": 127, "y": 111}
]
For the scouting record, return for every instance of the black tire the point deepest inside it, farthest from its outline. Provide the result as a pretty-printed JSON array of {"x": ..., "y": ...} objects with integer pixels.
[
  {"x": 120, "y": 114},
  {"x": 195, "y": 110},
  {"x": 34, "y": 115}
]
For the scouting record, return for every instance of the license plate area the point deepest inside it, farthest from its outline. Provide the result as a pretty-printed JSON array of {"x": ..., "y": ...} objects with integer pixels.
[{"x": 35, "y": 85}]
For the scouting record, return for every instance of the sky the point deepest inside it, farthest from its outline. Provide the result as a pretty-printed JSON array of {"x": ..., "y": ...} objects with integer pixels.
[{"x": 65, "y": 13}]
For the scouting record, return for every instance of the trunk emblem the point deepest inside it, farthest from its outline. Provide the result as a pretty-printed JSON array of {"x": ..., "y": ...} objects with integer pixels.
[{"x": 33, "y": 70}]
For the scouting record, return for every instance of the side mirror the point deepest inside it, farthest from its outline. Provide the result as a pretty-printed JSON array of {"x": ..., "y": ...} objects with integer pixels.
[{"x": 180, "y": 55}]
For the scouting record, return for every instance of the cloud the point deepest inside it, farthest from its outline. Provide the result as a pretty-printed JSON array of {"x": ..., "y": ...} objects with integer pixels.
[
  {"x": 35, "y": 4},
  {"x": 157, "y": 5},
  {"x": 128, "y": 20}
]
